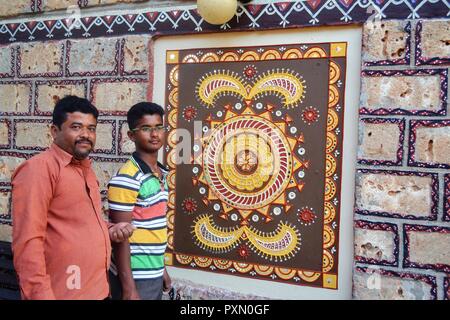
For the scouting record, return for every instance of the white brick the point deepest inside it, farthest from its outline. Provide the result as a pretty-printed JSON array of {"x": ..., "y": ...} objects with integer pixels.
[
  {"x": 404, "y": 195},
  {"x": 375, "y": 244}
]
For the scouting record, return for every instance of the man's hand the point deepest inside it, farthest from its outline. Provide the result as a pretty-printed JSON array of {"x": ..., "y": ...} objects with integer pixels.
[
  {"x": 121, "y": 231},
  {"x": 167, "y": 282}
]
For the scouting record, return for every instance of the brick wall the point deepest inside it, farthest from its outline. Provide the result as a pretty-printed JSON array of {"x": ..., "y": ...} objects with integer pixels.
[
  {"x": 402, "y": 207},
  {"x": 112, "y": 72}
]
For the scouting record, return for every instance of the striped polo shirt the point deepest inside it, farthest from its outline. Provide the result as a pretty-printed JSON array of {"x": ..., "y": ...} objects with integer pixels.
[{"x": 137, "y": 189}]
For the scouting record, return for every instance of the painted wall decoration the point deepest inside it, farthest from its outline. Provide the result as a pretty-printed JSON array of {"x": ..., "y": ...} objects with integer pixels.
[
  {"x": 259, "y": 194},
  {"x": 248, "y": 17}
]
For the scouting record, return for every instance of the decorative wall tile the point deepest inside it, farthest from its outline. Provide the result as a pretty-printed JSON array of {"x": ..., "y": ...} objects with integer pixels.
[
  {"x": 9, "y": 161},
  {"x": 381, "y": 141},
  {"x": 378, "y": 284},
  {"x": 105, "y": 169},
  {"x": 117, "y": 96},
  {"x": 5, "y": 231},
  {"x": 379, "y": 244},
  {"x": 16, "y": 97},
  {"x": 5, "y": 204},
  {"x": 135, "y": 52},
  {"x": 386, "y": 43},
  {"x": 429, "y": 143},
  {"x": 50, "y": 63},
  {"x": 5, "y": 133},
  {"x": 92, "y": 57},
  {"x": 432, "y": 47},
  {"x": 427, "y": 247},
  {"x": 47, "y": 93},
  {"x": 7, "y": 61},
  {"x": 126, "y": 146},
  {"x": 32, "y": 134},
  {"x": 50, "y": 5},
  {"x": 106, "y": 137},
  {"x": 19, "y": 7},
  {"x": 418, "y": 92},
  {"x": 397, "y": 194}
]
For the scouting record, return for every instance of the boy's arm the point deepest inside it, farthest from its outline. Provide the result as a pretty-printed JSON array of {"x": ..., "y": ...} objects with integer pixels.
[
  {"x": 123, "y": 191},
  {"x": 123, "y": 258},
  {"x": 167, "y": 281}
]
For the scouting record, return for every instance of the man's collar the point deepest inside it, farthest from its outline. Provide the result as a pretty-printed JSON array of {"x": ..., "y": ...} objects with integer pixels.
[
  {"x": 66, "y": 158},
  {"x": 145, "y": 168}
]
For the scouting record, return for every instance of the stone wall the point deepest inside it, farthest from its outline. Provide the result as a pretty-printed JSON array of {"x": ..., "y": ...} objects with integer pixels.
[
  {"x": 402, "y": 208},
  {"x": 111, "y": 72}
]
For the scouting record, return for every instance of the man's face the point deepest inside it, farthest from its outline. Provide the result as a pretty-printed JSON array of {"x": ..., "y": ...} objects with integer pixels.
[
  {"x": 77, "y": 134},
  {"x": 149, "y": 133}
]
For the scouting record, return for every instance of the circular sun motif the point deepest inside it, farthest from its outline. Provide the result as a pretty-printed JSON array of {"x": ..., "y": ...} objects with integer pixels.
[
  {"x": 189, "y": 113},
  {"x": 250, "y": 71},
  {"x": 306, "y": 216},
  {"x": 310, "y": 115},
  {"x": 247, "y": 162},
  {"x": 189, "y": 205},
  {"x": 246, "y": 155},
  {"x": 243, "y": 251}
]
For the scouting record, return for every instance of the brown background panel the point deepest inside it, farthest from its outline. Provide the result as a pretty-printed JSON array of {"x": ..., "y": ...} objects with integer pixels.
[{"x": 315, "y": 73}]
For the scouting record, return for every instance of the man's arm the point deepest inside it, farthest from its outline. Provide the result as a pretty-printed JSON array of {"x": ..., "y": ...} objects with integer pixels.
[
  {"x": 31, "y": 196},
  {"x": 123, "y": 258}
]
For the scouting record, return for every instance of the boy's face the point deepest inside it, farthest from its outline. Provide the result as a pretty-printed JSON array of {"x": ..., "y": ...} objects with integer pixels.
[{"x": 149, "y": 133}]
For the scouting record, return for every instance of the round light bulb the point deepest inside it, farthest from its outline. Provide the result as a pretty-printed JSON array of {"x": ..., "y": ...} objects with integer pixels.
[{"x": 217, "y": 11}]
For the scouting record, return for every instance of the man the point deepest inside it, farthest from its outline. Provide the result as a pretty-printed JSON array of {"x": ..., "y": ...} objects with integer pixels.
[
  {"x": 139, "y": 194},
  {"x": 61, "y": 243}
]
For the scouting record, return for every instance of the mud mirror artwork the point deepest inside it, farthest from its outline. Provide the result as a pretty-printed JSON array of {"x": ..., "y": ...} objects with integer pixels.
[{"x": 258, "y": 192}]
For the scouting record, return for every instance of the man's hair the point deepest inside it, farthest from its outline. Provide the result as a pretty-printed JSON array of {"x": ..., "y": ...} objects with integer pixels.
[
  {"x": 70, "y": 104},
  {"x": 141, "y": 109}
]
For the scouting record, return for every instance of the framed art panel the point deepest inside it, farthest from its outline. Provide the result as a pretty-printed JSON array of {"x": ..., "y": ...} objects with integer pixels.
[{"x": 255, "y": 152}]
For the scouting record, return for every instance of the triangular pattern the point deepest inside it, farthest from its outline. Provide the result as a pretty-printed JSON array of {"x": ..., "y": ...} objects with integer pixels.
[{"x": 270, "y": 15}]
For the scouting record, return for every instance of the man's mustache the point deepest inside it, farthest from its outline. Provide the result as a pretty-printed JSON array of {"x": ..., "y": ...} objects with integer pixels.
[{"x": 84, "y": 140}]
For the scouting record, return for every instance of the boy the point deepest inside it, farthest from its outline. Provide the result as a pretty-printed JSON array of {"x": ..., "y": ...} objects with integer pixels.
[{"x": 139, "y": 194}]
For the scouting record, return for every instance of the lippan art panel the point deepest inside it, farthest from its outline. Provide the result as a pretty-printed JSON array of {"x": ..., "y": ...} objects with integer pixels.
[{"x": 254, "y": 148}]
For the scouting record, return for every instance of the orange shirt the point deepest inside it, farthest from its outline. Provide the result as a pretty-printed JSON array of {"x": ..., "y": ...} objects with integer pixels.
[{"x": 60, "y": 241}]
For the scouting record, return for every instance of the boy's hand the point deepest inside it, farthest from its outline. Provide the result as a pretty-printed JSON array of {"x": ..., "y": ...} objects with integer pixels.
[
  {"x": 121, "y": 231},
  {"x": 167, "y": 282}
]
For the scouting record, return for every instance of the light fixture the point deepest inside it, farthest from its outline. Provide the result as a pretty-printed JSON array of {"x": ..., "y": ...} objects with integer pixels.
[{"x": 217, "y": 11}]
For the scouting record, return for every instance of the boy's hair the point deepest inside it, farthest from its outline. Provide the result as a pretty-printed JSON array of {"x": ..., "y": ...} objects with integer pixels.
[
  {"x": 70, "y": 104},
  {"x": 141, "y": 109}
]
